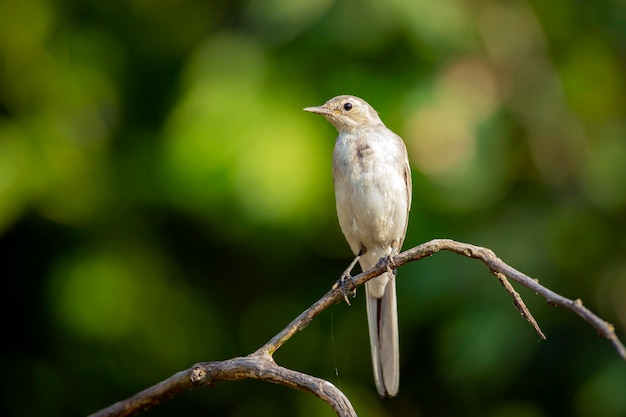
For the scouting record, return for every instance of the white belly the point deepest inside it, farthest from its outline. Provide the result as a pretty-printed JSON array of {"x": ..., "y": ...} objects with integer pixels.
[{"x": 371, "y": 195}]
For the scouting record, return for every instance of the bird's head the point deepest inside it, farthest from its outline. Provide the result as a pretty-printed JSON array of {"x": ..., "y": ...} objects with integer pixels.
[{"x": 347, "y": 113}]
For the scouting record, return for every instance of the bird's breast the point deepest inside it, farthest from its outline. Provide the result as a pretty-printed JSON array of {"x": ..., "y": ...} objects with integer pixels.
[{"x": 370, "y": 189}]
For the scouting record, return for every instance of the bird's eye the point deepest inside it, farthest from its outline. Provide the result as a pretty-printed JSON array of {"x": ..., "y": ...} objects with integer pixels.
[{"x": 347, "y": 106}]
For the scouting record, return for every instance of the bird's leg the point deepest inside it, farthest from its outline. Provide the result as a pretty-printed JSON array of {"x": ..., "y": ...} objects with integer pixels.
[{"x": 346, "y": 276}]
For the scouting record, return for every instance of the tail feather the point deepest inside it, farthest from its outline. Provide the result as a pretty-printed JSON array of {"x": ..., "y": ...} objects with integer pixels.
[{"x": 382, "y": 317}]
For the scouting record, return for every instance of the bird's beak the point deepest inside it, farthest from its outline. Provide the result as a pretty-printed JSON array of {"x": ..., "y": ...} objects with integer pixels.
[{"x": 318, "y": 109}]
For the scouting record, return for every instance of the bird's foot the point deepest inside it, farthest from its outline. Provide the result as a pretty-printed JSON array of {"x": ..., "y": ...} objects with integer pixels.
[
  {"x": 348, "y": 288},
  {"x": 387, "y": 261},
  {"x": 345, "y": 277}
]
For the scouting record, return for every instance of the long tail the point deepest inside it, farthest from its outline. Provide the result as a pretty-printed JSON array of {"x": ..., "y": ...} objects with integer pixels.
[{"x": 382, "y": 317}]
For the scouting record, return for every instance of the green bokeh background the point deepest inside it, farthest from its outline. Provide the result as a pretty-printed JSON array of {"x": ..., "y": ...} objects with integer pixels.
[{"x": 164, "y": 200}]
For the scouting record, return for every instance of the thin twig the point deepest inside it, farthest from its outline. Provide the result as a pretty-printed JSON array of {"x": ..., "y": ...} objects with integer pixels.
[
  {"x": 260, "y": 365},
  {"x": 519, "y": 303}
]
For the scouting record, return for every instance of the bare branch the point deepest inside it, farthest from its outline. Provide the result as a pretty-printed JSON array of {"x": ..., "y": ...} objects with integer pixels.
[
  {"x": 149, "y": 397},
  {"x": 255, "y": 366},
  {"x": 495, "y": 265},
  {"x": 486, "y": 256},
  {"x": 260, "y": 364}
]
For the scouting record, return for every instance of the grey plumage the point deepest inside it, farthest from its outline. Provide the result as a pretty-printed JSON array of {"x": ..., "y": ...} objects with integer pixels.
[{"x": 373, "y": 197}]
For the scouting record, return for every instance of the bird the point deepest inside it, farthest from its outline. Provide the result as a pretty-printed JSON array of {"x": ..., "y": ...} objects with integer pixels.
[{"x": 373, "y": 190}]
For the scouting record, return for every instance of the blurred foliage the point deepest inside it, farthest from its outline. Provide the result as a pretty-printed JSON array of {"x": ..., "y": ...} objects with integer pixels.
[{"x": 164, "y": 200}]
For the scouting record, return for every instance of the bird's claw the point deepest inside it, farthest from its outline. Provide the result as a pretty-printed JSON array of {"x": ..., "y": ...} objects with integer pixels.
[
  {"x": 343, "y": 280},
  {"x": 388, "y": 262}
]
